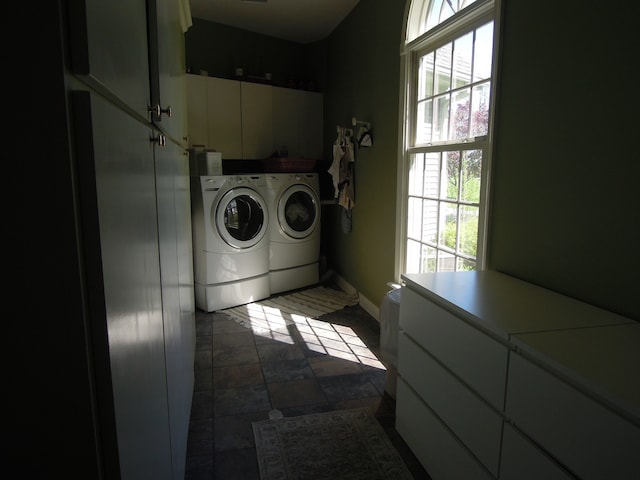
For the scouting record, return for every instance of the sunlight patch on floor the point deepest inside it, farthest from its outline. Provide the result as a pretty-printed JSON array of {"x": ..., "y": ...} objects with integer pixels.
[{"x": 338, "y": 341}]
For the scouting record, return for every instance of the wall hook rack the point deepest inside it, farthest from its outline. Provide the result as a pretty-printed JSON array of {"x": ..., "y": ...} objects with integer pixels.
[
  {"x": 364, "y": 136},
  {"x": 343, "y": 131},
  {"x": 355, "y": 122}
]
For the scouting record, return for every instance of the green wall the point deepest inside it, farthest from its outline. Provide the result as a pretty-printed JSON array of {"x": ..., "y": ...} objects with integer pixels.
[
  {"x": 564, "y": 207},
  {"x": 565, "y": 211},
  {"x": 363, "y": 81},
  {"x": 219, "y": 49}
]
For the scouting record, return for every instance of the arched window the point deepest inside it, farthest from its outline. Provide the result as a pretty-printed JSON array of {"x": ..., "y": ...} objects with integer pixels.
[{"x": 449, "y": 53}]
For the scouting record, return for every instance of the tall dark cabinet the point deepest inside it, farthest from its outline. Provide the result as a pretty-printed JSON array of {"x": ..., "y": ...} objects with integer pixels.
[{"x": 125, "y": 118}]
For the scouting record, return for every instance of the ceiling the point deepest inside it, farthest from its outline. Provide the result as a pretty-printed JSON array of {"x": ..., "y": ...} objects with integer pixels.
[{"x": 301, "y": 21}]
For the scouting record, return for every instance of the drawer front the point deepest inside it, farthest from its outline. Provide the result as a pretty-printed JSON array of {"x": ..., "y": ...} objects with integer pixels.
[
  {"x": 475, "y": 423},
  {"x": 591, "y": 440},
  {"x": 439, "y": 451},
  {"x": 523, "y": 460},
  {"x": 479, "y": 360}
]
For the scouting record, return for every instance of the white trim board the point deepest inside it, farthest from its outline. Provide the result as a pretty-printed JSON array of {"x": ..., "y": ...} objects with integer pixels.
[{"x": 368, "y": 306}]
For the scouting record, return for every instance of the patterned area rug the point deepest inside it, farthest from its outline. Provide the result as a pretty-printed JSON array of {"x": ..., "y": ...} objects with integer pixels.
[
  {"x": 345, "y": 444},
  {"x": 279, "y": 311}
]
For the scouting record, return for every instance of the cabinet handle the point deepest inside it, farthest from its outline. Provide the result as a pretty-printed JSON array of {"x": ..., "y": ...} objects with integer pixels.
[
  {"x": 161, "y": 140},
  {"x": 157, "y": 111}
]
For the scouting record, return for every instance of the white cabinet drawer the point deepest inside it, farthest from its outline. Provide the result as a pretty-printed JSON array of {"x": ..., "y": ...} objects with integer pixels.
[
  {"x": 477, "y": 425},
  {"x": 522, "y": 460},
  {"x": 439, "y": 451},
  {"x": 479, "y": 360},
  {"x": 591, "y": 440}
]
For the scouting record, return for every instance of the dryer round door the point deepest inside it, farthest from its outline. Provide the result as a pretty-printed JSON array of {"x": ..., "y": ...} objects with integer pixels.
[
  {"x": 298, "y": 211},
  {"x": 241, "y": 217}
]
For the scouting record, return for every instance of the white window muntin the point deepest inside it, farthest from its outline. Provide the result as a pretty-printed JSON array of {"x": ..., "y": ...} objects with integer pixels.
[{"x": 466, "y": 20}]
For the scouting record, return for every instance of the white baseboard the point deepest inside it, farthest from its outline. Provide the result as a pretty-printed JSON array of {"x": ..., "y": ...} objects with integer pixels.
[{"x": 368, "y": 306}]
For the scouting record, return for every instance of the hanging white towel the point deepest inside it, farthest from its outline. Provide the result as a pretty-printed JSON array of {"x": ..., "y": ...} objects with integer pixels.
[
  {"x": 347, "y": 193},
  {"x": 334, "y": 169}
]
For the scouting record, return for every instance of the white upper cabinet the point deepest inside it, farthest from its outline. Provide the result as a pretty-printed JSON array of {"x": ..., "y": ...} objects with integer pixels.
[
  {"x": 224, "y": 127},
  {"x": 257, "y": 120},
  {"x": 197, "y": 110},
  {"x": 297, "y": 122},
  {"x": 108, "y": 45},
  {"x": 214, "y": 117},
  {"x": 169, "y": 90},
  {"x": 251, "y": 121}
]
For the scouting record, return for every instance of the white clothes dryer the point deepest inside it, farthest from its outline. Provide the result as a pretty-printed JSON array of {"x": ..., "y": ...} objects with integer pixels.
[
  {"x": 230, "y": 223},
  {"x": 294, "y": 230}
]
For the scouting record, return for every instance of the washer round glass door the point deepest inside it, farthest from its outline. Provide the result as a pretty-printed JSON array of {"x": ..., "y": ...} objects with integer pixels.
[
  {"x": 241, "y": 217},
  {"x": 298, "y": 211}
]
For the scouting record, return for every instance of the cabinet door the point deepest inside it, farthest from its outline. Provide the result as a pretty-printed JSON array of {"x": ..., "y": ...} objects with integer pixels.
[
  {"x": 286, "y": 120},
  {"x": 437, "y": 449},
  {"x": 197, "y": 127},
  {"x": 471, "y": 355},
  {"x": 119, "y": 150},
  {"x": 174, "y": 209},
  {"x": 523, "y": 460},
  {"x": 167, "y": 63},
  {"x": 475, "y": 423},
  {"x": 257, "y": 121},
  {"x": 311, "y": 125},
  {"x": 297, "y": 122},
  {"x": 585, "y": 435},
  {"x": 224, "y": 121},
  {"x": 108, "y": 46}
]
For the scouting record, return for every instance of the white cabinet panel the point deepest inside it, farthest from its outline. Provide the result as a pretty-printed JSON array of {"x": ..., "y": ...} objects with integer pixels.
[
  {"x": 476, "y": 358},
  {"x": 172, "y": 174},
  {"x": 477, "y": 425},
  {"x": 581, "y": 433},
  {"x": 433, "y": 444},
  {"x": 311, "y": 125},
  {"x": 108, "y": 44},
  {"x": 523, "y": 460},
  {"x": 197, "y": 123},
  {"x": 171, "y": 70},
  {"x": 127, "y": 216},
  {"x": 251, "y": 121},
  {"x": 286, "y": 119},
  {"x": 257, "y": 120},
  {"x": 224, "y": 119},
  {"x": 297, "y": 122},
  {"x": 569, "y": 403}
]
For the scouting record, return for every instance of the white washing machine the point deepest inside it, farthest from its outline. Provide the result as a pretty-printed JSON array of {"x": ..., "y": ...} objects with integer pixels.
[
  {"x": 230, "y": 221},
  {"x": 294, "y": 230}
]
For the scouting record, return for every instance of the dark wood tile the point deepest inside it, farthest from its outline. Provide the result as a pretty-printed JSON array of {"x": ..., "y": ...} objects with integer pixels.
[
  {"x": 241, "y": 375},
  {"x": 233, "y": 401},
  {"x": 232, "y": 340},
  {"x": 286, "y": 370},
  {"x": 202, "y": 405},
  {"x": 236, "y": 464},
  {"x": 236, "y": 431},
  {"x": 226, "y": 357},
  {"x": 237, "y": 376},
  {"x": 347, "y": 387},
  {"x": 296, "y": 393}
]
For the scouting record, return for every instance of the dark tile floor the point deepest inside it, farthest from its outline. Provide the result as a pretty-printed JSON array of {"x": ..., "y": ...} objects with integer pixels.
[{"x": 243, "y": 374}]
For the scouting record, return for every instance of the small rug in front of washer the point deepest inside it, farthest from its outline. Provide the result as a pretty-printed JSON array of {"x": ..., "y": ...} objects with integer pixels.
[
  {"x": 279, "y": 311},
  {"x": 344, "y": 444}
]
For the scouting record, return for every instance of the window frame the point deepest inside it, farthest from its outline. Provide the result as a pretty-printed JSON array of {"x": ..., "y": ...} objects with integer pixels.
[{"x": 466, "y": 20}]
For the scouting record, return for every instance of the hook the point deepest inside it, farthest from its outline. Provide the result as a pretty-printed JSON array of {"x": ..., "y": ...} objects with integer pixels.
[{"x": 355, "y": 121}]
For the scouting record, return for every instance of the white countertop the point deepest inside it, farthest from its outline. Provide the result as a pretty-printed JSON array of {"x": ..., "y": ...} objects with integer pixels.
[{"x": 507, "y": 306}]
